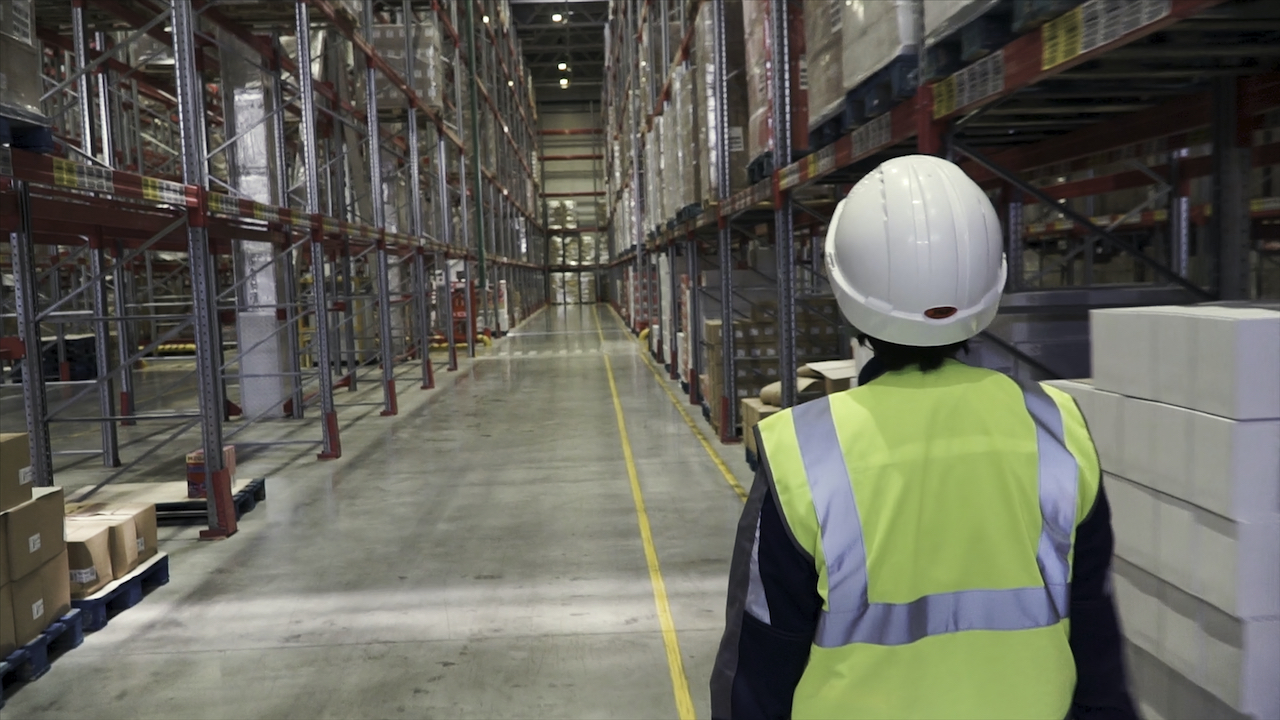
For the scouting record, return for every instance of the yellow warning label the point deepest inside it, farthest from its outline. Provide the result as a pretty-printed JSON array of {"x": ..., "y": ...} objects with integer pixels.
[
  {"x": 944, "y": 97},
  {"x": 1061, "y": 39}
]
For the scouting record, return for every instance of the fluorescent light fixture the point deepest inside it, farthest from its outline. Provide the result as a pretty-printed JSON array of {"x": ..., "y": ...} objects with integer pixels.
[
  {"x": 557, "y": 17},
  {"x": 562, "y": 66},
  {"x": 564, "y": 82}
]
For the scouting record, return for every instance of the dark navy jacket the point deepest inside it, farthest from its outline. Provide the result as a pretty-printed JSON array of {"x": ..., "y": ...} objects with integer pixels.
[{"x": 759, "y": 665}]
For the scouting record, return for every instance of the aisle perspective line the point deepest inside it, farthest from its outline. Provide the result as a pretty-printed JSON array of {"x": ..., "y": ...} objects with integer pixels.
[
  {"x": 675, "y": 661},
  {"x": 688, "y": 419}
]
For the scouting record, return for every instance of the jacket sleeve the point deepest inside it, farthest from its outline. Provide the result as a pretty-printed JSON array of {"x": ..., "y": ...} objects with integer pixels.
[
  {"x": 772, "y": 615},
  {"x": 1102, "y": 689}
]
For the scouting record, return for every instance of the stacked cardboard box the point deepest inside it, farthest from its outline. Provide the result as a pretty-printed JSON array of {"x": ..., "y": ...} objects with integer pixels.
[
  {"x": 196, "y": 474},
  {"x": 105, "y": 542},
  {"x": 34, "y": 580},
  {"x": 824, "y": 49},
  {"x": 1184, "y": 408},
  {"x": 757, "y": 29},
  {"x": 880, "y": 32},
  {"x": 705, "y": 101},
  {"x": 20, "y": 74},
  {"x": 389, "y": 41}
]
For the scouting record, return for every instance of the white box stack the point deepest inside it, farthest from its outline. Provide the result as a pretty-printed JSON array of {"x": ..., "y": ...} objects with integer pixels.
[{"x": 1184, "y": 408}]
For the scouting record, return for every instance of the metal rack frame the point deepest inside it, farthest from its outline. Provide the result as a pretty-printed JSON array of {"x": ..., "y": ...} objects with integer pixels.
[
  {"x": 143, "y": 251},
  {"x": 1040, "y": 117}
]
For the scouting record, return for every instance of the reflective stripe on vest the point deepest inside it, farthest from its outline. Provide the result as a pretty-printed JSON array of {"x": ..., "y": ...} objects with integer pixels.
[{"x": 851, "y": 618}]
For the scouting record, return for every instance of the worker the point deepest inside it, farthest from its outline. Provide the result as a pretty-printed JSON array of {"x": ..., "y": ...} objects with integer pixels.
[{"x": 934, "y": 543}]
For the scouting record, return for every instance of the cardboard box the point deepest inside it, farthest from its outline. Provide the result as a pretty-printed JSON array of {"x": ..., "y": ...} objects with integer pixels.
[
  {"x": 195, "y": 470},
  {"x": 32, "y": 533},
  {"x": 88, "y": 557},
  {"x": 15, "y": 479},
  {"x": 753, "y": 411},
  {"x": 40, "y": 598},
  {"x": 123, "y": 539},
  {"x": 837, "y": 375},
  {"x": 8, "y": 637}
]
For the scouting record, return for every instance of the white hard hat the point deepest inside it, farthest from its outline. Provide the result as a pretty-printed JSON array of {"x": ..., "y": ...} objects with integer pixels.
[{"x": 915, "y": 254}]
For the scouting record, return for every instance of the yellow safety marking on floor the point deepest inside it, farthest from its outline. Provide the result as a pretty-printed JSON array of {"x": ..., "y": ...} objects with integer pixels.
[
  {"x": 675, "y": 661},
  {"x": 740, "y": 491}
]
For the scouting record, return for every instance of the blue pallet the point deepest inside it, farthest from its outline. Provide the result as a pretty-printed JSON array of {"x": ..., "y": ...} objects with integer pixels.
[
  {"x": 1031, "y": 14},
  {"x": 32, "y": 660},
  {"x": 25, "y": 136},
  {"x": 124, "y": 593},
  {"x": 760, "y": 168},
  {"x": 684, "y": 386},
  {"x": 753, "y": 462},
  {"x": 892, "y": 84},
  {"x": 978, "y": 37}
]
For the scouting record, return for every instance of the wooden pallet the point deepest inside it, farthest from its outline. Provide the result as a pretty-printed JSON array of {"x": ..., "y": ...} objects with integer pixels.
[
  {"x": 124, "y": 593},
  {"x": 32, "y": 660}
]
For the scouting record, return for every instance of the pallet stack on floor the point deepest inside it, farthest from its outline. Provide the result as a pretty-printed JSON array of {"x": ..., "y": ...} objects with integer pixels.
[
  {"x": 1184, "y": 407},
  {"x": 63, "y": 566}
]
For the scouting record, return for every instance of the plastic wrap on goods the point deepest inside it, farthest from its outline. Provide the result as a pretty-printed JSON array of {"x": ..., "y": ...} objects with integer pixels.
[
  {"x": 706, "y": 100},
  {"x": 389, "y": 41},
  {"x": 687, "y": 131},
  {"x": 756, "y": 27},
  {"x": 876, "y": 32},
  {"x": 943, "y": 18},
  {"x": 824, "y": 49},
  {"x": 21, "y": 82},
  {"x": 587, "y": 288}
]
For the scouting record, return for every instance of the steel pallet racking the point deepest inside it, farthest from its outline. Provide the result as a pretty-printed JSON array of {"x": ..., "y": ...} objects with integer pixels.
[
  {"x": 310, "y": 171},
  {"x": 1156, "y": 110}
]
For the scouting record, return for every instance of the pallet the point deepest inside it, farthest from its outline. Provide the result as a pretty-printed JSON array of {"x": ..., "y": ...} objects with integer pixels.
[
  {"x": 879, "y": 93},
  {"x": 1031, "y": 14},
  {"x": 753, "y": 461},
  {"x": 195, "y": 511},
  {"x": 827, "y": 131},
  {"x": 26, "y": 136},
  {"x": 760, "y": 168},
  {"x": 690, "y": 212},
  {"x": 967, "y": 41},
  {"x": 122, "y": 594},
  {"x": 684, "y": 386},
  {"x": 32, "y": 660}
]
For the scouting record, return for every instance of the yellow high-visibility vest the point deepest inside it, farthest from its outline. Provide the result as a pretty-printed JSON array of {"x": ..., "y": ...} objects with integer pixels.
[{"x": 940, "y": 510}]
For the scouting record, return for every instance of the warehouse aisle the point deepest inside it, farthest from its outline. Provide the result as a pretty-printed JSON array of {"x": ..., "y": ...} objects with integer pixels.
[{"x": 479, "y": 556}]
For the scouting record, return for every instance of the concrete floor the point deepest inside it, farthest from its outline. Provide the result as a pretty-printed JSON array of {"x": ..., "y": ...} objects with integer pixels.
[{"x": 477, "y": 556}]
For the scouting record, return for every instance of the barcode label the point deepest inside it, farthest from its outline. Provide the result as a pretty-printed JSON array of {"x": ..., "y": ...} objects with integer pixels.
[
  {"x": 83, "y": 177},
  {"x": 736, "y": 143},
  {"x": 142, "y": 544},
  {"x": 20, "y": 12},
  {"x": 163, "y": 191},
  {"x": 873, "y": 135},
  {"x": 980, "y": 80},
  {"x": 86, "y": 575},
  {"x": 26, "y": 476},
  {"x": 37, "y": 609},
  {"x": 223, "y": 204},
  {"x": 33, "y": 543},
  {"x": 1094, "y": 24}
]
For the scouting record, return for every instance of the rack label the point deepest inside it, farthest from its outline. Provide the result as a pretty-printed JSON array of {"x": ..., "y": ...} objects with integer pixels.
[
  {"x": 87, "y": 575},
  {"x": 976, "y": 82},
  {"x": 83, "y": 177},
  {"x": 163, "y": 191},
  {"x": 1094, "y": 24},
  {"x": 6, "y": 161},
  {"x": 266, "y": 213},
  {"x": 873, "y": 135},
  {"x": 224, "y": 204}
]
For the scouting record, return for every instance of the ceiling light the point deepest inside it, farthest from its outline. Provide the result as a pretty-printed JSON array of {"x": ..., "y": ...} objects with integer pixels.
[
  {"x": 511, "y": 83},
  {"x": 557, "y": 17},
  {"x": 562, "y": 66},
  {"x": 485, "y": 19},
  {"x": 564, "y": 82}
]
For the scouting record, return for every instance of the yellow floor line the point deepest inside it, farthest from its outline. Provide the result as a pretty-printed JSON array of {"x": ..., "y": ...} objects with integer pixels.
[
  {"x": 675, "y": 661},
  {"x": 693, "y": 425}
]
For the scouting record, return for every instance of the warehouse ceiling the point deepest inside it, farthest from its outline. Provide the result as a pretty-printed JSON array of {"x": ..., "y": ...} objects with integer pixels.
[{"x": 576, "y": 39}]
